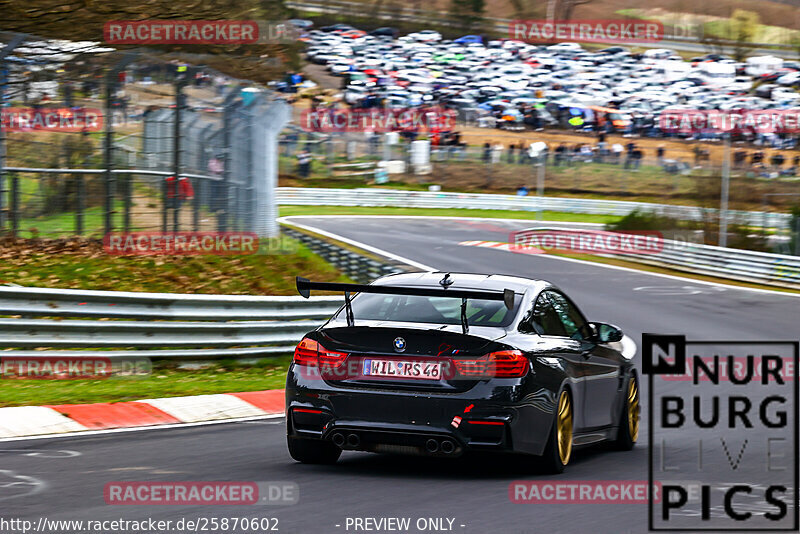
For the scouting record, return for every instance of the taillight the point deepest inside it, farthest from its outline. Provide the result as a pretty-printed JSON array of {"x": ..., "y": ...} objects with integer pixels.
[
  {"x": 501, "y": 364},
  {"x": 311, "y": 353},
  {"x": 306, "y": 352}
]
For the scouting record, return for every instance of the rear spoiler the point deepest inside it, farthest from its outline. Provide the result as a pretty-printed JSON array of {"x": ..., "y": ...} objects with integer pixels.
[{"x": 305, "y": 286}]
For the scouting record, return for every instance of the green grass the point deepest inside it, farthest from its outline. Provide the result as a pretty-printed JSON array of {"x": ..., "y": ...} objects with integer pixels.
[
  {"x": 553, "y": 216},
  {"x": 165, "y": 381},
  {"x": 63, "y": 224}
]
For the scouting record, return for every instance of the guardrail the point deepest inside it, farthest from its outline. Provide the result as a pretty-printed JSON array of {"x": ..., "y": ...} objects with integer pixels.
[
  {"x": 187, "y": 327},
  {"x": 306, "y": 196},
  {"x": 351, "y": 263},
  {"x": 735, "y": 264}
]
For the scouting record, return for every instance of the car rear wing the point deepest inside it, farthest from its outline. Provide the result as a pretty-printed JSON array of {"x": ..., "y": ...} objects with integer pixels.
[{"x": 305, "y": 286}]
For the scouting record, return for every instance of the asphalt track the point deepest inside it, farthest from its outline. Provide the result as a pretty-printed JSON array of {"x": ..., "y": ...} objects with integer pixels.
[{"x": 473, "y": 490}]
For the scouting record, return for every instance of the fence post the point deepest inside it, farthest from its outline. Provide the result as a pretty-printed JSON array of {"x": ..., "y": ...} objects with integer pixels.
[
  {"x": 108, "y": 139},
  {"x": 80, "y": 191},
  {"x": 14, "y": 205},
  {"x": 3, "y": 80},
  {"x": 128, "y": 192},
  {"x": 180, "y": 83},
  {"x": 198, "y": 195},
  {"x": 107, "y": 155},
  {"x": 224, "y": 189}
]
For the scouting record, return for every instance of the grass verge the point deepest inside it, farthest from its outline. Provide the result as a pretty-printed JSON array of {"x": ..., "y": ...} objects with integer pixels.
[
  {"x": 83, "y": 264},
  {"x": 552, "y": 216},
  {"x": 165, "y": 381}
]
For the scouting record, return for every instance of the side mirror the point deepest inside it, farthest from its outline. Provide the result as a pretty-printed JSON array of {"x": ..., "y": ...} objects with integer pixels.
[{"x": 605, "y": 333}]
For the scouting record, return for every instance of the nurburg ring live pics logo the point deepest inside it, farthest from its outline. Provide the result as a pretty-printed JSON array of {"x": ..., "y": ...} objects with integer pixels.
[{"x": 723, "y": 429}]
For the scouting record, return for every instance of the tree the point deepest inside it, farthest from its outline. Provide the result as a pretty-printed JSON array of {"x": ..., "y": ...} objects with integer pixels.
[
  {"x": 742, "y": 28},
  {"x": 564, "y": 9},
  {"x": 469, "y": 13},
  {"x": 83, "y": 20}
]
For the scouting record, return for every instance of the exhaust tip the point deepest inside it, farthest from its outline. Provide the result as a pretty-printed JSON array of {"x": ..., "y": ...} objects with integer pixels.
[
  {"x": 448, "y": 447},
  {"x": 338, "y": 439},
  {"x": 431, "y": 445},
  {"x": 353, "y": 440}
]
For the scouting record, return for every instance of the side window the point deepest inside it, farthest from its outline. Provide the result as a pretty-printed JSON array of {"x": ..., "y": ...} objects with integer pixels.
[
  {"x": 569, "y": 316},
  {"x": 545, "y": 319}
]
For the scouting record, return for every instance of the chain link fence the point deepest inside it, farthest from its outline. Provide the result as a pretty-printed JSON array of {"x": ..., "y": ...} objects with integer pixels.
[{"x": 169, "y": 147}]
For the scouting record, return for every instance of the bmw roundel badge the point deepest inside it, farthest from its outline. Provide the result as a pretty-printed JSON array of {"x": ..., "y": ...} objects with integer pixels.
[{"x": 399, "y": 344}]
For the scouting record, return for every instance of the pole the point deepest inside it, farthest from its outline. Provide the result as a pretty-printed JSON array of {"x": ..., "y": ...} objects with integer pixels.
[
  {"x": 14, "y": 205},
  {"x": 3, "y": 80},
  {"x": 224, "y": 190},
  {"x": 80, "y": 191},
  {"x": 180, "y": 82},
  {"x": 108, "y": 139},
  {"x": 110, "y": 184},
  {"x": 540, "y": 187},
  {"x": 726, "y": 181}
]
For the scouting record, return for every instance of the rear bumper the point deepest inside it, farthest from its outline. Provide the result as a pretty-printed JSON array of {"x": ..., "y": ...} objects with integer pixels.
[{"x": 506, "y": 415}]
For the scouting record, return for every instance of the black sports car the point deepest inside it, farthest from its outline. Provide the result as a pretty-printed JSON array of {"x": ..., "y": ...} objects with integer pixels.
[{"x": 440, "y": 363}]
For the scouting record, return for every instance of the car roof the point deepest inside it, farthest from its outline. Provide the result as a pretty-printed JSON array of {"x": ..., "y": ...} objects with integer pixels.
[{"x": 497, "y": 282}]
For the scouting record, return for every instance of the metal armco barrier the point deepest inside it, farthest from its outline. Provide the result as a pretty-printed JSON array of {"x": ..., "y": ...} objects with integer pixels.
[
  {"x": 41, "y": 302},
  {"x": 353, "y": 264},
  {"x": 303, "y": 196},
  {"x": 187, "y": 327},
  {"x": 734, "y": 264}
]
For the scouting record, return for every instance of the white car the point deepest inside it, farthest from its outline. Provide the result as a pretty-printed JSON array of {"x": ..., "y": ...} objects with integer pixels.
[{"x": 425, "y": 36}]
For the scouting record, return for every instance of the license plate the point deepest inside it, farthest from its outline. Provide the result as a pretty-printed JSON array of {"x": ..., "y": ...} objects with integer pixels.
[{"x": 402, "y": 369}]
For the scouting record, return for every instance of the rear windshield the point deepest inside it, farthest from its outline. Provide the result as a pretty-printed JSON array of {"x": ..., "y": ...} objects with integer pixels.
[{"x": 436, "y": 310}]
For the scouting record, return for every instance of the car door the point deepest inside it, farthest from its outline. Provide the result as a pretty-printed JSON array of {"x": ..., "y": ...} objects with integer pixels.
[
  {"x": 543, "y": 320},
  {"x": 599, "y": 365}
]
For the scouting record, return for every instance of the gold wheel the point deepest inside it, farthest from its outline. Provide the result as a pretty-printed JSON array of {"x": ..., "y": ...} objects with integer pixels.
[
  {"x": 633, "y": 410},
  {"x": 564, "y": 427}
]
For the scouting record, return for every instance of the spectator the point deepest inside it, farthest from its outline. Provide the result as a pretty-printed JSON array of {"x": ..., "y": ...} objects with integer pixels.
[
  {"x": 602, "y": 148},
  {"x": 777, "y": 161},
  {"x": 303, "y": 163},
  {"x": 511, "y": 148},
  {"x": 617, "y": 150},
  {"x": 660, "y": 154},
  {"x": 184, "y": 192},
  {"x": 637, "y": 155},
  {"x": 487, "y": 153},
  {"x": 497, "y": 151},
  {"x": 630, "y": 149},
  {"x": 739, "y": 158},
  {"x": 558, "y": 156}
]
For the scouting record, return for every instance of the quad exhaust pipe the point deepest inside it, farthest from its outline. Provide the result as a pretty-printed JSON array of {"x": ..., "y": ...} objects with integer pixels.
[
  {"x": 446, "y": 446},
  {"x": 351, "y": 440}
]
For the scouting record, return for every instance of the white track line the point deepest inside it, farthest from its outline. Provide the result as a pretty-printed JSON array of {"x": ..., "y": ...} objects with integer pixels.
[
  {"x": 141, "y": 428},
  {"x": 376, "y": 250}
]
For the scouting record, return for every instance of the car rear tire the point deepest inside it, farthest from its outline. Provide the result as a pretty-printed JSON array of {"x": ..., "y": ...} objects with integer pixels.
[
  {"x": 313, "y": 451},
  {"x": 630, "y": 417},
  {"x": 558, "y": 451}
]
